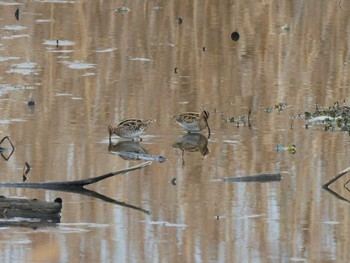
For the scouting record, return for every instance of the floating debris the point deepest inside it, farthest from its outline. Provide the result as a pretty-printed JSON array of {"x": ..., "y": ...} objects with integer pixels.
[
  {"x": 240, "y": 120},
  {"x": 231, "y": 119},
  {"x": 179, "y": 20},
  {"x": 285, "y": 27},
  {"x": 158, "y": 7},
  {"x": 235, "y": 36},
  {"x": 17, "y": 14},
  {"x": 336, "y": 117},
  {"x": 290, "y": 149},
  {"x": 259, "y": 178},
  {"x": 281, "y": 106},
  {"x": 123, "y": 10},
  {"x": 31, "y": 102}
]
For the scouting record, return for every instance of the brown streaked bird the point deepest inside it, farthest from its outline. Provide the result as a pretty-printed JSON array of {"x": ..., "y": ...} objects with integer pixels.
[
  {"x": 194, "y": 121},
  {"x": 129, "y": 129}
]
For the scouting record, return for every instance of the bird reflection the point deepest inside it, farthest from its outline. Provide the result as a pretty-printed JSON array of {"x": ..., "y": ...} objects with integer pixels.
[
  {"x": 192, "y": 142},
  {"x": 126, "y": 146}
]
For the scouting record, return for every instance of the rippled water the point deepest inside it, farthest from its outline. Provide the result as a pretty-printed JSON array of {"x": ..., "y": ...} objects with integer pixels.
[{"x": 87, "y": 65}]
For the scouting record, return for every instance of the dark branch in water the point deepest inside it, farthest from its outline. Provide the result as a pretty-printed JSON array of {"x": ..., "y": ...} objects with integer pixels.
[
  {"x": 335, "y": 178},
  {"x": 78, "y": 186}
]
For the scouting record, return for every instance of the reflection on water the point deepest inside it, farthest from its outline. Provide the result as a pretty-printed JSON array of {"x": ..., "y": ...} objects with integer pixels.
[
  {"x": 192, "y": 142},
  {"x": 107, "y": 66},
  {"x": 126, "y": 146}
]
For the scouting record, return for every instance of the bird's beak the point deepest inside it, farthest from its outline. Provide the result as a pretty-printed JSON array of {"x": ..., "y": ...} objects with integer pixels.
[{"x": 208, "y": 129}]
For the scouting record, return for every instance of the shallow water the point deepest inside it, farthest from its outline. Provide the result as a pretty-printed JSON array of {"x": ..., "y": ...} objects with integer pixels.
[{"x": 108, "y": 66}]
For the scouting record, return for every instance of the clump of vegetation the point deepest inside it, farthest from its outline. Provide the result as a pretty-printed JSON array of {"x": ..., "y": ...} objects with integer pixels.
[{"x": 336, "y": 117}]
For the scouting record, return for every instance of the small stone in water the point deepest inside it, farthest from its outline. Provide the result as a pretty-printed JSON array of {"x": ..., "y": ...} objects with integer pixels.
[
  {"x": 286, "y": 27},
  {"x": 17, "y": 14},
  {"x": 31, "y": 103},
  {"x": 173, "y": 181},
  {"x": 235, "y": 36},
  {"x": 123, "y": 10}
]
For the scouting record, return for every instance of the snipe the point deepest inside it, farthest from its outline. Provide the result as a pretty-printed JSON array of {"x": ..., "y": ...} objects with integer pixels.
[
  {"x": 129, "y": 129},
  {"x": 194, "y": 121}
]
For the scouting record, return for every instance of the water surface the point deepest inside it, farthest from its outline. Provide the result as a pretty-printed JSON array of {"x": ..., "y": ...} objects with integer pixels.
[{"x": 108, "y": 66}]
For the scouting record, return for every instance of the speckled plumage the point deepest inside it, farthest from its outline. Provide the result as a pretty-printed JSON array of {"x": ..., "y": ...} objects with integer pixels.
[
  {"x": 193, "y": 121},
  {"x": 130, "y": 128}
]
